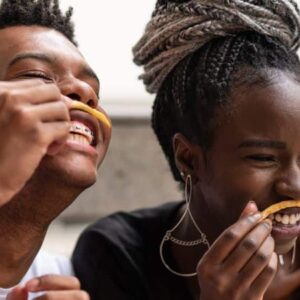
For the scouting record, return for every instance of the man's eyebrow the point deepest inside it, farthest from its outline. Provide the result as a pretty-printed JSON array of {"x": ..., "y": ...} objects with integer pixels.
[
  {"x": 263, "y": 144},
  {"x": 86, "y": 70},
  {"x": 38, "y": 56}
]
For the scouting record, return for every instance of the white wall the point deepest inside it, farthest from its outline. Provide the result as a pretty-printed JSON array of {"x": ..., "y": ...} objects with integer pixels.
[{"x": 106, "y": 32}]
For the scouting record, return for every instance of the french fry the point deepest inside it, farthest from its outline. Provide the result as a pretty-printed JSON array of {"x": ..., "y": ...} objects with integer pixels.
[
  {"x": 97, "y": 114},
  {"x": 279, "y": 206}
]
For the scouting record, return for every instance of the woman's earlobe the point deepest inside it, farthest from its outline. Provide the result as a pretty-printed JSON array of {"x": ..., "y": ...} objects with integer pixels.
[{"x": 187, "y": 156}]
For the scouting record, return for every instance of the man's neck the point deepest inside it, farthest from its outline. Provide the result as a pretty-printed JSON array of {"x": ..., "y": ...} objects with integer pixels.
[{"x": 23, "y": 225}]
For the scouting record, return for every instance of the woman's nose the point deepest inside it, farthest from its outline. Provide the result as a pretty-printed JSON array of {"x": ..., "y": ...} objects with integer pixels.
[
  {"x": 288, "y": 185},
  {"x": 79, "y": 90}
]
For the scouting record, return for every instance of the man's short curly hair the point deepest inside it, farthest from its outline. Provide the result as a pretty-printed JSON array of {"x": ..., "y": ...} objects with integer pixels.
[{"x": 45, "y": 13}]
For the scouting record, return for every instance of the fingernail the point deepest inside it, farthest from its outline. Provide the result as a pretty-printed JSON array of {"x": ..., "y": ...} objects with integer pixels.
[
  {"x": 252, "y": 203},
  {"x": 255, "y": 217},
  {"x": 267, "y": 224}
]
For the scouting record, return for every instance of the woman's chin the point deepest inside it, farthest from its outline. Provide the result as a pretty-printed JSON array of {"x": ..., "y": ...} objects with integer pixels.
[{"x": 284, "y": 246}]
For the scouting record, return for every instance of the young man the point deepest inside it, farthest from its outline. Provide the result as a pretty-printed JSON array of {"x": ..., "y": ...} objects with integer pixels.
[{"x": 49, "y": 154}]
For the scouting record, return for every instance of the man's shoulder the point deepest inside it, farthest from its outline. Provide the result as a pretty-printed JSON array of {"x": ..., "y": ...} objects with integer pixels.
[
  {"x": 43, "y": 264},
  {"x": 46, "y": 263}
]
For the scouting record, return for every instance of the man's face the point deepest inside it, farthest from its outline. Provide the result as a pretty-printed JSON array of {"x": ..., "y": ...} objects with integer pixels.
[{"x": 35, "y": 52}]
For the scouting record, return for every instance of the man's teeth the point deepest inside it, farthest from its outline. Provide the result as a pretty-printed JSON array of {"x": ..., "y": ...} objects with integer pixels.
[
  {"x": 78, "y": 138},
  {"x": 285, "y": 219},
  {"x": 81, "y": 133}
]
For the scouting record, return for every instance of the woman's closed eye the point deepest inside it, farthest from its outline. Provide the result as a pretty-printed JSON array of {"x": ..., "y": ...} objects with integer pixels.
[{"x": 262, "y": 159}]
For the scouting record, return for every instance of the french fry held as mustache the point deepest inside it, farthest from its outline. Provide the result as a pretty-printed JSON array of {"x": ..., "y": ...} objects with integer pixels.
[
  {"x": 94, "y": 112},
  {"x": 279, "y": 206}
]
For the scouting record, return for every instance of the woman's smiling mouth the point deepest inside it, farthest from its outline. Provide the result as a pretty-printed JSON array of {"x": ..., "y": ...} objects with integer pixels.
[{"x": 286, "y": 223}]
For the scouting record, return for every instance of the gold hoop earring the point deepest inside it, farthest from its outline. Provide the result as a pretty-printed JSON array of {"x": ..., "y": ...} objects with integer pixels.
[{"x": 169, "y": 237}]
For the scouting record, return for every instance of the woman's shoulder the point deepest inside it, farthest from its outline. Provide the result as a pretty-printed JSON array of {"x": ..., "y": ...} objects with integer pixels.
[
  {"x": 125, "y": 227},
  {"x": 112, "y": 254},
  {"x": 125, "y": 233}
]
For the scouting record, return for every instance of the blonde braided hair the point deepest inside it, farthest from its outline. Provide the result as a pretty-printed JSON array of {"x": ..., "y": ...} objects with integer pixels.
[{"x": 177, "y": 30}]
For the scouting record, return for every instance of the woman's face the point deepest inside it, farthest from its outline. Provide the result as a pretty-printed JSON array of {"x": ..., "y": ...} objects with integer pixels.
[{"x": 255, "y": 156}]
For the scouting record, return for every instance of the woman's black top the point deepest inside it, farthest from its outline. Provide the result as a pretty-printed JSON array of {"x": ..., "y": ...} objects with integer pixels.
[{"x": 118, "y": 257}]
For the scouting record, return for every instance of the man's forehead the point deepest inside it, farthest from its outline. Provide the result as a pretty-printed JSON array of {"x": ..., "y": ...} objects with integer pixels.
[
  {"x": 34, "y": 36},
  {"x": 42, "y": 43}
]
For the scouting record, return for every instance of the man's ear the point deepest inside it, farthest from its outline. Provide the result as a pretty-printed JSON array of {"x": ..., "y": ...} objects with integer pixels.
[{"x": 188, "y": 156}]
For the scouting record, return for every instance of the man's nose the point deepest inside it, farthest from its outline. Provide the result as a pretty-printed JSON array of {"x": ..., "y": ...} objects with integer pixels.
[
  {"x": 79, "y": 90},
  {"x": 288, "y": 185}
]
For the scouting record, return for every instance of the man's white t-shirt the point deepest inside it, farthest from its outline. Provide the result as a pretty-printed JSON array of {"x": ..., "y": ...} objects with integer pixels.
[{"x": 43, "y": 264}]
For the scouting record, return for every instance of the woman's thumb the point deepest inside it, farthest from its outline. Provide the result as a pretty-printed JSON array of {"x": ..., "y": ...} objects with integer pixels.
[{"x": 249, "y": 209}]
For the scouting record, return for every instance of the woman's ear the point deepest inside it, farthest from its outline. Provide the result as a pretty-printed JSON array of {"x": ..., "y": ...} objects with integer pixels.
[{"x": 188, "y": 156}]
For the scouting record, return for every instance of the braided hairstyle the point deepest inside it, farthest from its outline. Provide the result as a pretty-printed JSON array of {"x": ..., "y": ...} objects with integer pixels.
[
  {"x": 45, "y": 13},
  {"x": 196, "y": 52}
]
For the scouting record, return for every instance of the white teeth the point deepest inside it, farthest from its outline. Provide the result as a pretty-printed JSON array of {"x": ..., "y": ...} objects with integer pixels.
[
  {"x": 81, "y": 130},
  {"x": 292, "y": 219},
  {"x": 286, "y": 219},
  {"x": 278, "y": 218},
  {"x": 78, "y": 138}
]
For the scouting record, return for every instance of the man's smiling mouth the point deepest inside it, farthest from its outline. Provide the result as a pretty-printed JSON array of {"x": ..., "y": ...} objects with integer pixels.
[{"x": 81, "y": 133}]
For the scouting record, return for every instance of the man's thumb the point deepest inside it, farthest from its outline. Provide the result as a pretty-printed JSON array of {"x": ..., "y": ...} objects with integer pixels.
[{"x": 18, "y": 293}]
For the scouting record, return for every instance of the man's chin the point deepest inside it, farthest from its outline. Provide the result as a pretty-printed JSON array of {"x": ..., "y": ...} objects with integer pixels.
[{"x": 77, "y": 173}]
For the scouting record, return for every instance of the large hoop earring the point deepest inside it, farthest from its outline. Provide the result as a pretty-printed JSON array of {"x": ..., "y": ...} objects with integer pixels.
[
  {"x": 281, "y": 257},
  {"x": 169, "y": 236}
]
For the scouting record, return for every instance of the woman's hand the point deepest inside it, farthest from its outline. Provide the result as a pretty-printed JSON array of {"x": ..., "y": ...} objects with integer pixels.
[
  {"x": 54, "y": 287},
  {"x": 241, "y": 263},
  {"x": 283, "y": 285},
  {"x": 33, "y": 117}
]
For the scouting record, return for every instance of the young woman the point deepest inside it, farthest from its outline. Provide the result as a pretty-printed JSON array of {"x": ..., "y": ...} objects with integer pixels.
[{"x": 227, "y": 115}]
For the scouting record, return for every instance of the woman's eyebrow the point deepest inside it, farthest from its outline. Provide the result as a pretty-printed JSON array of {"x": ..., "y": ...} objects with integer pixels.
[
  {"x": 39, "y": 56},
  {"x": 263, "y": 144}
]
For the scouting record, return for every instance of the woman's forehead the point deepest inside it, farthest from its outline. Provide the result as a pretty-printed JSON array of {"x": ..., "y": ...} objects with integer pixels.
[
  {"x": 272, "y": 111},
  {"x": 280, "y": 94}
]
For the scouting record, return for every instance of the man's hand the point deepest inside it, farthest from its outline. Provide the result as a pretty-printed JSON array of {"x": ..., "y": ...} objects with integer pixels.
[
  {"x": 54, "y": 287},
  {"x": 34, "y": 119}
]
